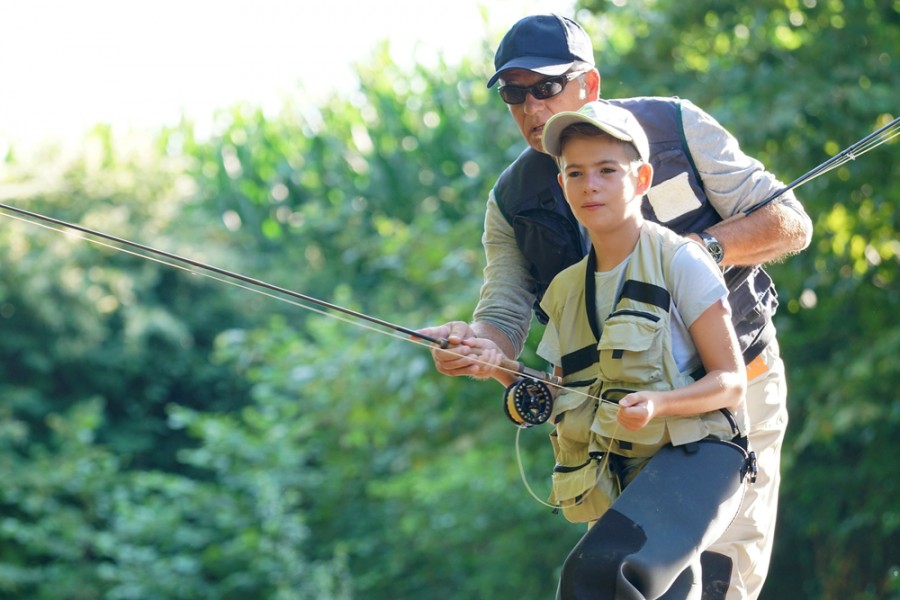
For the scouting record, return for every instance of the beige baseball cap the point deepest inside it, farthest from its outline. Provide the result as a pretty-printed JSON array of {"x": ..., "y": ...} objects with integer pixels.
[{"x": 614, "y": 120}]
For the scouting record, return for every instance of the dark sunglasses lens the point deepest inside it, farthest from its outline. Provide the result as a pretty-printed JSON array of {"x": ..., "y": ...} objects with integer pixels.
[
  {"x": 547, "y": 89},
  {"x": 512, "y": 94}
]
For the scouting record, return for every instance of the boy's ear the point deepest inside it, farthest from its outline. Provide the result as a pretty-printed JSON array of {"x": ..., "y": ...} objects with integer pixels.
[{"x": 645, "y": 178}]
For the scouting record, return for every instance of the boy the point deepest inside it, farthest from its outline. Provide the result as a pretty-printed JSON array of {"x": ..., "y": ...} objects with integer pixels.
[{"x": 640, "y": 332}]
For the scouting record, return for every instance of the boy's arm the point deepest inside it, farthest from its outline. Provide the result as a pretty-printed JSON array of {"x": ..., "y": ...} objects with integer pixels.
[{"x": 723, "y": 386}]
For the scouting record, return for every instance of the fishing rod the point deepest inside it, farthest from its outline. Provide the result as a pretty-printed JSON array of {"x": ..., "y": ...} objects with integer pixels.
[
  {"x": 853, "y": 151},
  {"x": 528, "y": 401},
  {"x": 513, "y": 367}
]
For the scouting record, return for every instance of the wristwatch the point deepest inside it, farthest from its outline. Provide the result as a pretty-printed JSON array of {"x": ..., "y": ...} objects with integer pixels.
[{"x": 713, "y": 246}]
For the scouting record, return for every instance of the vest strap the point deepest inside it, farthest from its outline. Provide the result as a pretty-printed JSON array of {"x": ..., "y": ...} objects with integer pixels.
[
  {"x": 580, "y": 359},
  {"x": 641, "y": 291}
]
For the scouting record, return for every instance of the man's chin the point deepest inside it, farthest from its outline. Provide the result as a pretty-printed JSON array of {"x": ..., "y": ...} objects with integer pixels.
[{"x": 536, "y": 144}]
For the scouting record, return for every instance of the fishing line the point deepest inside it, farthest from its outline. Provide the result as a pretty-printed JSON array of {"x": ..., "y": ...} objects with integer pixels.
[
  {"x": 213, "y": 277},
  {"x": 220, "y": 271},
  {"x": 603, "y": 466},
  {"x": 247, "y": 283}
]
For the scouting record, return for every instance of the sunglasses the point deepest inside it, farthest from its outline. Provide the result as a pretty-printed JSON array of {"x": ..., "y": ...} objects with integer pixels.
[{"x": 546, "y": 88}]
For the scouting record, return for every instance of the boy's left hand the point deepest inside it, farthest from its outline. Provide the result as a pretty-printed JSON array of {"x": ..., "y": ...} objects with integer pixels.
[{"x": 636, "y": 410}]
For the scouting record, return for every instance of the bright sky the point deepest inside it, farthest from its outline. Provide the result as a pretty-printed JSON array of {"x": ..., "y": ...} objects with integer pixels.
[{"x": 68, "y": 64}]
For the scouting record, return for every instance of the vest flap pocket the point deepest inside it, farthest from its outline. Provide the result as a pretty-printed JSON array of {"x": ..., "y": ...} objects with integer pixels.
[
  {"x": 631, "y": 348},
  {"x": 568, "y": 400},
  {"x": 607, "y": 426},
  {"x": 570, "y": 483},
  {"x": 573, "y": 423},
  {"x": 628, "y": 332},
  {"x": 583, "y": 493},
  {"x": 684, "y": 430}
]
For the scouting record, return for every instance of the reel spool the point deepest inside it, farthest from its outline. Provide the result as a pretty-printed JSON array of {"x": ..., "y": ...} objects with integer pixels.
[{"x": 528, "y": 402}]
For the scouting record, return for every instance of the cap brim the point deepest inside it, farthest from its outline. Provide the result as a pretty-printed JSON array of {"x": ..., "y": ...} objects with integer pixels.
[
  {"x": 557, "y": 124},
  {"x": 538, "y": 64}
]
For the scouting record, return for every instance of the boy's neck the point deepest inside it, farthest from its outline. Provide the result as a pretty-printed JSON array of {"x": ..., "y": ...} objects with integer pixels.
[{"x": 612, "y": 248}]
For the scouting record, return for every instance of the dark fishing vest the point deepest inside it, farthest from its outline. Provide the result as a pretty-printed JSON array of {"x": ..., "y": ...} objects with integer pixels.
[{"x": 549, "y": 236}]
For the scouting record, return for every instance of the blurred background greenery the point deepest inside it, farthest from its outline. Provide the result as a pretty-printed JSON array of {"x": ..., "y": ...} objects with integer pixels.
[{"x": 167, "y": 436}]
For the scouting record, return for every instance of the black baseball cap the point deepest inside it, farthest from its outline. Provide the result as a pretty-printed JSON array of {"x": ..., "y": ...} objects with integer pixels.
[{"x": 546, "y": 44}]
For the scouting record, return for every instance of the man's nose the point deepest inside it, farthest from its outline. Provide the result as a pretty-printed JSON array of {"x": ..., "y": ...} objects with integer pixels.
[{"x": 532, "y": 104}]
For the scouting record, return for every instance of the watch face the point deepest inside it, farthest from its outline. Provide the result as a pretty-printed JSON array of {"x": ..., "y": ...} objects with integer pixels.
[{"x": 713, "y": 247}]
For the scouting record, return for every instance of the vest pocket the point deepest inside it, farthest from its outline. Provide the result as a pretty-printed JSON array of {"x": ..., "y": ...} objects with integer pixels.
[
  {"x": 583, "y": 492},
  {"x": 642, "y": 443},
  {"x": 580, "y": 490},
  {"x": 631, "y": 348}
]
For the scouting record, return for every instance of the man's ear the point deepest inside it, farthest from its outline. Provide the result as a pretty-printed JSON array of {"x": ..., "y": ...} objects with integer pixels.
[
  {"x": 645, "y": 178},
  {"x": 592, "y": 85}
]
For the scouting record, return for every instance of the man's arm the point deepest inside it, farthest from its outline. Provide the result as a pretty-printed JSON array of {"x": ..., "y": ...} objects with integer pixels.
[
  {"x": 735, "y": 182},
  {"x": 503, "y": 314},
  {"x": 766, "y": 235},
  {"x": 507, "y": 294}
]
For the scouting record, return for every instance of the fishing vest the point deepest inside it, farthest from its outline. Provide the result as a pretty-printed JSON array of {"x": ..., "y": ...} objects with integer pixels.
[
  {"x": 632, "y": 352},
  {"x": 550, "y": 239}
]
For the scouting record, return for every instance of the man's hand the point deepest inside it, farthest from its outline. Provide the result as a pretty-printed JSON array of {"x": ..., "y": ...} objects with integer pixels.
[{"x": 457, "y": 359}]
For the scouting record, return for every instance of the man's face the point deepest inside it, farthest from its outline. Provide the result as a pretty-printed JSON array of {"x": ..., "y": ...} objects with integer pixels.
[{"x": 532, "y": 114}]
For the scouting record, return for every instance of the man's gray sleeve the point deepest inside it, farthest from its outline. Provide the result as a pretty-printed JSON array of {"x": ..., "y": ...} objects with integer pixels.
[
  {"x": 733, "y": 181},
  {"x": 507, "y": 293}
]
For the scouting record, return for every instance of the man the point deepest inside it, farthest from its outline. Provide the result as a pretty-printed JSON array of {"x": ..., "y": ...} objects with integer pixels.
[{"x": 545, "y": 65}]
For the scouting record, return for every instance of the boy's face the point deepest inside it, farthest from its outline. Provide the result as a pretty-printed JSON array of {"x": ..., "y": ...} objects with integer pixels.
[{"x": 602, "y": 184}]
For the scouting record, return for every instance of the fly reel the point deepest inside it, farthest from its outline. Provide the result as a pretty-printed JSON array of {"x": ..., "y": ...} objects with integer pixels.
[{"x": 528, "y": 402}]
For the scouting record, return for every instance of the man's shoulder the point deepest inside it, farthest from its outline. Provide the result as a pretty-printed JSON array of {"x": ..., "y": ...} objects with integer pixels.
[
  {"x": 529, "y": 160},
  {"x": 530, "y": 173},
  {"x": 637, "y": 101}
]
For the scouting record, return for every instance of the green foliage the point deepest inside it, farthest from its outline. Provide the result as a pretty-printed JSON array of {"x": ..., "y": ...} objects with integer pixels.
[
  {"x": 78, "y": 525},
  {"x": 81, "y": 320}
]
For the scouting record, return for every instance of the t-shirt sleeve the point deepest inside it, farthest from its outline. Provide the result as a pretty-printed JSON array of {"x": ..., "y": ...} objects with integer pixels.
[
  {"x": 696, "y": 282},
  {"x": 548, "y": 348}
]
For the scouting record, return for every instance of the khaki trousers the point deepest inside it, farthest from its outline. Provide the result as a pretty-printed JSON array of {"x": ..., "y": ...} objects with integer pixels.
[{"x": 748, "y": 541}]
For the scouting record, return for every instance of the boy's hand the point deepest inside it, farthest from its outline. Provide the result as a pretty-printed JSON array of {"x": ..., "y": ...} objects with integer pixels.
[{"x": 636, "y": 410}]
